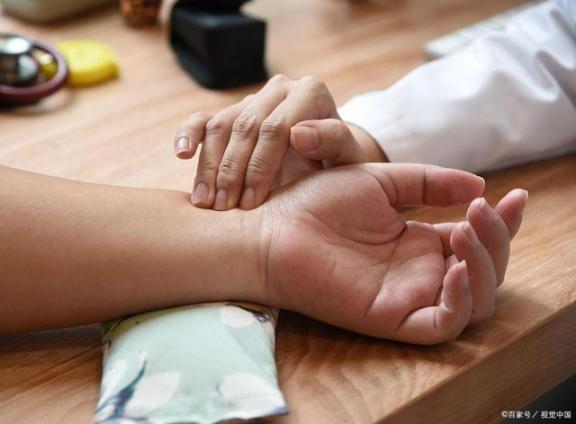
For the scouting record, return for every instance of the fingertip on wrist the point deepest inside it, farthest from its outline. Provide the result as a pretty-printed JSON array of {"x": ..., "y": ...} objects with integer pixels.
[
  {"x": 248, "y": 199},
  {"x": 201, "y": 195}
]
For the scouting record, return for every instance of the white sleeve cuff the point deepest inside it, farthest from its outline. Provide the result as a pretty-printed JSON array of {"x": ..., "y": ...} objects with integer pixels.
[{"x": 507, "y": 98}]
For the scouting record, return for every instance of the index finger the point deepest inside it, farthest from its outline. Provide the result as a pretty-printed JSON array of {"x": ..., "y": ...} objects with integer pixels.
[
  {"x": 309, "y": 99},
  {"x": 189, "y": 135}
]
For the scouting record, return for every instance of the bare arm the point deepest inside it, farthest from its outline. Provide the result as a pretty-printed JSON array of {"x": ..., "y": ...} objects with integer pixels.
[{"x": 73, "y": 253}]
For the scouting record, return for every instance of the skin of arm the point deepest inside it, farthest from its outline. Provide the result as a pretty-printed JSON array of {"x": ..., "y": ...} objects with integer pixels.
[
  {"x": 76, "y": 253},
  {"x": 330, "y": 245}
]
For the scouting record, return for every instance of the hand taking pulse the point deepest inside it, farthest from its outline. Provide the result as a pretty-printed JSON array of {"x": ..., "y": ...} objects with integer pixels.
[
  {"x": 335, "y": 235},
  {"x": 245, "y": 144}
]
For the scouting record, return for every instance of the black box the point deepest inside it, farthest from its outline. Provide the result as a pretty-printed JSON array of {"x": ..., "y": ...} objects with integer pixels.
[{"x": 218, "y": 45}]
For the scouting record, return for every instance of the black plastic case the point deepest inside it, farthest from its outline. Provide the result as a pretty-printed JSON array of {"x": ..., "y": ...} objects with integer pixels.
[{"x": 217, "y": 44}]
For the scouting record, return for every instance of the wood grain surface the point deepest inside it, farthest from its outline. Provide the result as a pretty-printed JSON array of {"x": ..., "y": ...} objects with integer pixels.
[{"x": 121, "y": 133}]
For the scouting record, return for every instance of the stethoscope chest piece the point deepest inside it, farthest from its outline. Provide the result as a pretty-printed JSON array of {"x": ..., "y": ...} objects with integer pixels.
[
  {"x": 16, "y": 62},
  {"x": 22, "y": 79}
]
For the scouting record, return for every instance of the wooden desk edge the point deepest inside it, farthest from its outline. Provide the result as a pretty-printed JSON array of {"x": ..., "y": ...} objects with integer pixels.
[{"x": 501, "y": 381}]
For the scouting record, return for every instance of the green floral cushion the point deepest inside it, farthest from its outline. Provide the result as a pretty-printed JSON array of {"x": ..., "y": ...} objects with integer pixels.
[{"x": 194, "y": 364}]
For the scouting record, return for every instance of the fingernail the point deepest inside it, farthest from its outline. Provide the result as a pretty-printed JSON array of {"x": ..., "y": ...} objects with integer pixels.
[
  {"x": 182, "y": 147},
  {"x": 305, "y": 138},
  {"x": 248, "y": 200},
  {"x": 462, "y": 266},
  {"x": 483, "y": 206},
  {"x": 469, "y": 232},
  {"x": 221, "y": 201},
  {"x": 200, "y": 194}
]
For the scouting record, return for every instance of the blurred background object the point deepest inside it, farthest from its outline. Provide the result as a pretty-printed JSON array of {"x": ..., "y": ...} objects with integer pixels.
[
  {"x": 29, "y": 69},
  {"x": 90, "y": 62},
  {"x": 48, "y": 10},
  {"x": 217, "y": 44},
  {"x": 457, "y": 40},
  {"x": 140, "y": 13},
  {"x": 17, "y": 64}
]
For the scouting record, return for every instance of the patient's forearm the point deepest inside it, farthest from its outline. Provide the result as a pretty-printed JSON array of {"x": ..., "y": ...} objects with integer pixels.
[{"x": 73, "y": 253}]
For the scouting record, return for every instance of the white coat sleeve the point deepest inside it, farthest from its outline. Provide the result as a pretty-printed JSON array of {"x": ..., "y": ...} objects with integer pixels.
[{"x": 508, "y": 97}]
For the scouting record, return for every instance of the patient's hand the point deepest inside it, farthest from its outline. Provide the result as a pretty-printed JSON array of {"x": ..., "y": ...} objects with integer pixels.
[
  {"x": 339, "y": 251},
  {"x": 244, "y": 144}
]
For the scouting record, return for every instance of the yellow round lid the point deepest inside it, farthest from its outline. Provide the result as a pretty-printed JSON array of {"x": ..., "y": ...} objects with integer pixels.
[{"x": 89, "y": 62}]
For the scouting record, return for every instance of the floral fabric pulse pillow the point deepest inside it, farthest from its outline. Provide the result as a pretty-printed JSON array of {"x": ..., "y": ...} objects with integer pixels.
[{"x": 193, "y": 364}]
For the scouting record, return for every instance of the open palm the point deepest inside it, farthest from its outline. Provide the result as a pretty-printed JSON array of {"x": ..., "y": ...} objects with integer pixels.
[{"x": 339, "y": 250}]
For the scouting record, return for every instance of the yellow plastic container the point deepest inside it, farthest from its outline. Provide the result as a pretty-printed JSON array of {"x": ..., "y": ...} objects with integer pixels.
[{"x": 90, "y": 62}]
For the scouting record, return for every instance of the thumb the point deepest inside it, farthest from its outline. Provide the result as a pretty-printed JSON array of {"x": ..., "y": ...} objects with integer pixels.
[
  {"x": 410, "y": 184},
  {"x": 328, "y": 140}
]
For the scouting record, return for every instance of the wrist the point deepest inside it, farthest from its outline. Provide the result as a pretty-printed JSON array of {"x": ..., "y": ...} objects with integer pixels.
[
  {"x": 369, "y": 145},
  {"x": 233, "y": 254}
]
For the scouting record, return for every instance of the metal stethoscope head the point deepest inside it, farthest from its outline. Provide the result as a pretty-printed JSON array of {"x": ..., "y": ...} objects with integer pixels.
[{"x": 21, "y": 77}]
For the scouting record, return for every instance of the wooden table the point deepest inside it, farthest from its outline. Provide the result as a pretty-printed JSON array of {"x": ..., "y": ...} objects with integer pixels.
[{"x": 121, "y": 133}]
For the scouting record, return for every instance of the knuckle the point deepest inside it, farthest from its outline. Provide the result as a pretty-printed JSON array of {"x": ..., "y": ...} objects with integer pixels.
[
  {"x": 257, "y": 169},
  {"x": 245, "y": 125},
  {"x": 216, "y": 126},
  {"x": 207, "y": 165},
  {"x": 319, "y": 95},
  {"x": 313, "y": 83},
  {"x": 199, "y": 117},
  {"x": 228, "y": 169},
  {"x": 272, "y": 127},
  {"x": 279, "y": 79},
  {"x": 193, "y": 121}
]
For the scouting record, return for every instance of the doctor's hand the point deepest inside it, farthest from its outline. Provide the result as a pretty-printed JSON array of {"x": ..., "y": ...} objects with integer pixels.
[
  {"x": 339, "y": 251},
  {"x": 243, "y": 146}
]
